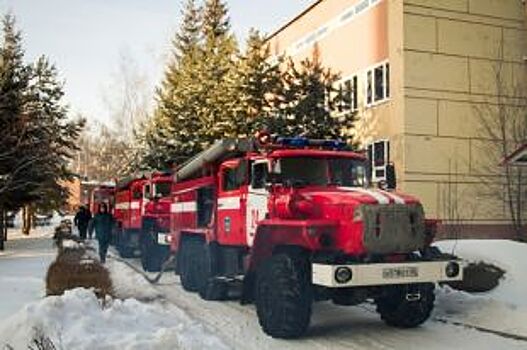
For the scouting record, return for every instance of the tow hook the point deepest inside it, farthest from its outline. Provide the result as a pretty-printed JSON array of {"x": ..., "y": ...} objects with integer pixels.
[{"x": 413, "y": 296}]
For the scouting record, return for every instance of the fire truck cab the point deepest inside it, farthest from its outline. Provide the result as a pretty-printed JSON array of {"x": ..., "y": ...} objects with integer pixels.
[
  {"x": 142, "y": 209},
  {"x": 294, "y": 221}
]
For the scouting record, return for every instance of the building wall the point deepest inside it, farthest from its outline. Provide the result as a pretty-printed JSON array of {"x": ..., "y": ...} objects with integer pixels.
[
  {"x": 441, "y": 56},
  {"x": 451, "y": 51}
]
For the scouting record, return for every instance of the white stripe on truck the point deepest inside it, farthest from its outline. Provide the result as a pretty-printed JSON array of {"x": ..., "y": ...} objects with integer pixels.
[
  {"x": 122, "y": 206},
  {"x": 229, "y": 203},
  {"x": 379, "y": 197},
  {"x": 183, "y": 207},
  {"x": 397, "y": 199}
]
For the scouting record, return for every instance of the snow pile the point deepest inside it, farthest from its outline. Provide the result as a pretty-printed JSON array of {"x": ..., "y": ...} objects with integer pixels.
[
  {"x": 507, "y": 255},
  {"x": 77, "y": 320},
  {"x": 505, "y": 307}
]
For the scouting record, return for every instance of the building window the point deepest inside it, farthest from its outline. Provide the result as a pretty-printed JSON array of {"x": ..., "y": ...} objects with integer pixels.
[
  {"x": 379, "y": 156},
  {"x": 363, "y": 5},
  {"x": 378, "y": 84},
  {"x": 387, "y": 79},
  {"x": 348, "y": 95},
  {"x": 369, "y": 88}
]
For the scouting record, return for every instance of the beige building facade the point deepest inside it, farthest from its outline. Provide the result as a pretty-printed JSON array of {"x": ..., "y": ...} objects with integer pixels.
[{"x": 421, "y": 74}]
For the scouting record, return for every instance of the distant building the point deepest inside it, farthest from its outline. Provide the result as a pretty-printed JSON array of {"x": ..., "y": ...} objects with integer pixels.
[
  {"x": 74, "y": 199},
  {"x": 415, "y": 70}
]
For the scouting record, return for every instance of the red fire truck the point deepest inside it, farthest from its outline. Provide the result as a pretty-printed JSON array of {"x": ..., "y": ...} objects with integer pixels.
[
  {"x": 294, "y": 222},
  {"x": 142, "y": 218},
  {"x": 155, "y": 236},
  {"x": 99, "y": 195}
]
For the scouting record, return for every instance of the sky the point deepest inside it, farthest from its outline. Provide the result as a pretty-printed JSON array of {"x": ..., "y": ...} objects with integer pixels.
[{"x": 87, "y": 39}]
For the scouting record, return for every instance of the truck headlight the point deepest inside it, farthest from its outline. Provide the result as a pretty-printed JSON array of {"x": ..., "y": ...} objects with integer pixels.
[
  {"x": 452, "y": 269},
  {"x": 343, "y": 274}
]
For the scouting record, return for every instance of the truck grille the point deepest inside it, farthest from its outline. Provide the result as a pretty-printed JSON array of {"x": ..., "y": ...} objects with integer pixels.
[{"x": 394, "y": 228}]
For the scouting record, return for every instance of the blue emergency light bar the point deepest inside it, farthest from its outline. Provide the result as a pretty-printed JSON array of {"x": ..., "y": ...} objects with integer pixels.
[{"x": 305, "y": 142}]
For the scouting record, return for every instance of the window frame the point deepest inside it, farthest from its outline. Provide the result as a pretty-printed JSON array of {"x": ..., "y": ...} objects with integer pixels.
[
  {"x": 386, "y": 159},
  {"x": 353, "y": 81},
  {"x": 370, "y": 86}
]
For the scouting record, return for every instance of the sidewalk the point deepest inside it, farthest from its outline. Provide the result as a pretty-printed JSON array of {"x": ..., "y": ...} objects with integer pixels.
[{"x": 23, "y": 267}]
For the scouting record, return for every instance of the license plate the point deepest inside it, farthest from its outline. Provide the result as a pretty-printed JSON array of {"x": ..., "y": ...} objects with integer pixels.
[{"x": 400, "y": 272}]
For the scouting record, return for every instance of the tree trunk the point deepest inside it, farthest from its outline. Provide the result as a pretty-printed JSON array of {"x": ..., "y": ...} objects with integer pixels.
[
  {"x": 3, "y": 229},
  {"x": 27, "y": 216}
]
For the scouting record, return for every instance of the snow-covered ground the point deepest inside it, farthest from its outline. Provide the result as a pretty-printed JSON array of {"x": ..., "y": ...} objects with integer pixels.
[
  {"x": 23, "y": 266},
  {"x": 77, "y": 320},
  {"x": 504, "y": 308},
  {"x": 164, "y": 316}
]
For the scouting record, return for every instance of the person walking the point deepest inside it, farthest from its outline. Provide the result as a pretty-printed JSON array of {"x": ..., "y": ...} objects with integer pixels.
[
  {"x": 81, "y": 221},
  {"x": 103, "y": 224}
]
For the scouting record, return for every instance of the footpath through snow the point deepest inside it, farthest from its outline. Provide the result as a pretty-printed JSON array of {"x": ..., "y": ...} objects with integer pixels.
[{"x": 78, "y": 320}]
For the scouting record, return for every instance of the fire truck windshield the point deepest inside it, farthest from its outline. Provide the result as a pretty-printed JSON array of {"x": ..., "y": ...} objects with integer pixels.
[
  {"x": 305, "y": 171},
  {"x": 162, "y": 189}
]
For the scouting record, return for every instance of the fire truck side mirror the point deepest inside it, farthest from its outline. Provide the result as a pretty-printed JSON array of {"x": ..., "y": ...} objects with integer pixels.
[{"x": 391, "y": 177}]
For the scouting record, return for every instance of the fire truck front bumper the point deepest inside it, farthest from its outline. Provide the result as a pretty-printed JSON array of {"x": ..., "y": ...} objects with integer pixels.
[{"x": 361, "y": 275}]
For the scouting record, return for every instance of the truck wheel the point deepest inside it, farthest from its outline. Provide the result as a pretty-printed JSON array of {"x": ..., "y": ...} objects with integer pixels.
[
  {"x": 406, "y": 306},
  {"x": 152, "y": 255},
  {"x": 209, "y": 287},
  {"x": 283, "y": 296},
  {"x": 189, "y": 273},
  {"x": 123, "y": 245}
]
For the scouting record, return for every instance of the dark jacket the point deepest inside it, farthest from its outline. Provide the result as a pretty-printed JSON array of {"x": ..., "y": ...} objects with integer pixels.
[
  {"x": 103, "y": 224},
  {"x": 82, "y": 218}
]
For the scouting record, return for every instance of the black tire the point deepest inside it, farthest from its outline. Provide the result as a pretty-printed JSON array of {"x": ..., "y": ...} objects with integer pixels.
[
  {"x": 397, "y": 311},
  {"x": 210, "y": 288},
  {"x": 123, "y": 245},
  {"x": 283, "y": 296},
  {"x": 125, "y": 251},
  {"x": 189, "y": 264},
  {"x": 152, "y": 254}
]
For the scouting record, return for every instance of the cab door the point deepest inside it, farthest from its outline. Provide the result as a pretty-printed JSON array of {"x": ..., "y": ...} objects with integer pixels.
[
  {"x": 232, "y": 197},
  {"x": 257, "y": 197}
]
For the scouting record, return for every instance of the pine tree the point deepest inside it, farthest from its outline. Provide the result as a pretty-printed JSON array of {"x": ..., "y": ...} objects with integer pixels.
[
  {"x": 14, "y": 81},
  {"x": 53, "y": 136},
  {"x": 37, "y": 138},
  {"x": 197, "y": 97},
  {"x": 310, "y": 102},
  {"x": 170, "y": 136},
  {"x": 187, "y": 38},
  {"x": 217, "y": 72},
  {"x": 259, "y": 86}
]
